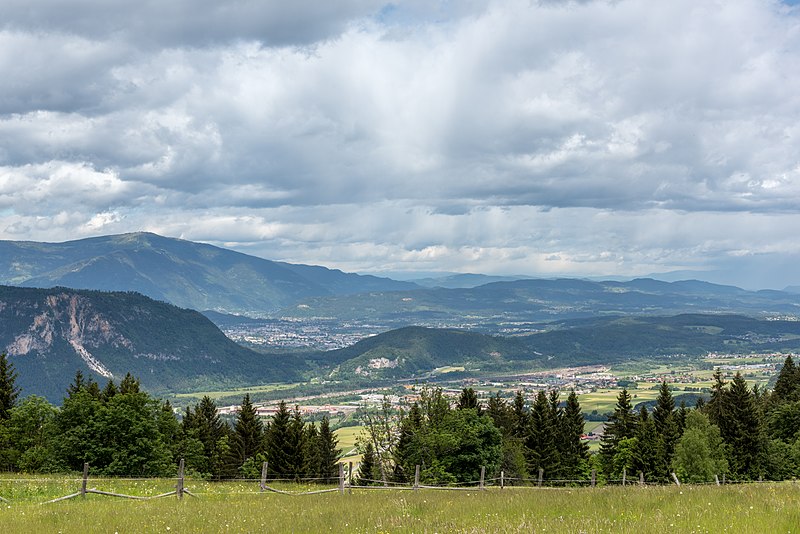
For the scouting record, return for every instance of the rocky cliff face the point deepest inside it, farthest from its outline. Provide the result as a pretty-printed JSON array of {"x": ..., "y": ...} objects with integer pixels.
[
  {"x": 70, "y": 317},
  {"x": 48, "y": 334}
]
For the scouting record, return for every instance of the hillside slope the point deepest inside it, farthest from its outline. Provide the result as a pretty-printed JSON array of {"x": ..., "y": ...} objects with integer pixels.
[{"x": 50, "y": 333}]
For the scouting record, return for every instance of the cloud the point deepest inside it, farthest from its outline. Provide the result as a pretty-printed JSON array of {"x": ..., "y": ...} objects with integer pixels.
[
  {"x": 504, "y": 136},
  {"x": 187, "y": 23}
]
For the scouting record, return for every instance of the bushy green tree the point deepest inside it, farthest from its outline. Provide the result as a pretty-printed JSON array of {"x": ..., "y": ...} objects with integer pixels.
[{"x": 700, "y": 452}]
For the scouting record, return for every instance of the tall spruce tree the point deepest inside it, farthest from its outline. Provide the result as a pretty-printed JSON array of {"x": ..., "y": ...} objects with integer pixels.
[
  {"x": 743, "y": 431},
  {"x": 297, "y": 445},
  {"x": 666, "y": 428},
  {"x": 647, "y": 453},
  {"x": 621, "y": 425},
  {"x": 328, "y": 451},
  {"x": 541, "y": 441},
  {"x": 574, "y": 450},
  {"x": 205, "y": 425},
  {"x": 716, "y": 409},
  {"x": 247, "y": 438},
  {"x": 9, "y": 392},
  {"x": 368, "y": 473},
  {"x": 787, "y": 386},
  {"x": 277, "y": 442}
]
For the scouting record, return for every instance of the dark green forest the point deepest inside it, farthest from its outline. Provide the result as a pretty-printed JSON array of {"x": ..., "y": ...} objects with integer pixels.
[{"x": 741, "y": 433}]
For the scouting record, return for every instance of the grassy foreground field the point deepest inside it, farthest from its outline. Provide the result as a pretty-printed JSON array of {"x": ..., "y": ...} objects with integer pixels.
[{"x": 235, "y": 507}]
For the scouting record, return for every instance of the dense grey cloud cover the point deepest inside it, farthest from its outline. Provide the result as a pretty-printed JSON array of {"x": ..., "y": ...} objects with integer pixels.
[{"x": 552, "y": 137}]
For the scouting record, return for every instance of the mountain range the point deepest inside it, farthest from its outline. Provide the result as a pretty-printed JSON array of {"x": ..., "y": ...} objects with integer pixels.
[
  {"x": 184, "y": 273},
  {"x": 117, "y": 304},
  {"x": 495, "y": 306}
]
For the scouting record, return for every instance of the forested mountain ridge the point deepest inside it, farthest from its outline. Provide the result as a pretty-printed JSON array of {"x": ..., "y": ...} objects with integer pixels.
[
  {"x": 50, "y": 333},
  {"x": 184, "y": 273}
]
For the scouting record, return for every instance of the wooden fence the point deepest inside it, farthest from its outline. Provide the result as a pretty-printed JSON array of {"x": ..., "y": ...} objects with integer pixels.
[{"x": 345, "y": 483}]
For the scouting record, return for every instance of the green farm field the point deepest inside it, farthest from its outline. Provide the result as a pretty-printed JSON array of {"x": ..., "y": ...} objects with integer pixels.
[{"x": 238, "y": 507}]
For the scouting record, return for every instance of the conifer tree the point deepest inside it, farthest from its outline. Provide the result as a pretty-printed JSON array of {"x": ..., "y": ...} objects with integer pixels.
[
  {"x": 501, "y": 413},
  {"x": 716, "y": 409},
  {"x": 521, "y": 416},
  {"x": 368, "y": 469},
  {"x": 109, "y": 391},
  {"x": 247, "y": 439},
  {"x": 743, "y": 432},
  {"x": 329, "y": 452},
  {"x": 680, "y": 418},
  {"x": 574, "y": 451},
  {"x": 204, "y": 424},
  {"x": 541, "y": 441},
  {"x": 786, "y": 387},
  {"x": 277, "y": 443},
  {"x": 9, "y": 392},
  {"x": 647, "y": 455},
  {"x": 666, "y": 427},
  {"x": 296, "y": 445},
  {"x": 312, "y": 459},
  {"x": 129, "y": 384},
  {"x": 404, "y": 450},
  {"x": 621, "y": 425},
  {"x": 468, "y": 400}
]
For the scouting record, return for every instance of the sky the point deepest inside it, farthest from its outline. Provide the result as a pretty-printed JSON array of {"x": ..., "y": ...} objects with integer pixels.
[{"x": 547, "y": 138}]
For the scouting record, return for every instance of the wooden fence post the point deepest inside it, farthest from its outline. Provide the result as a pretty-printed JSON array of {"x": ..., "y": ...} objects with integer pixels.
[
  {"x": 675, "y": 478},
  {"x": 723, "y": 479},
  {"x": 483, "y": 474},
  {"x": 541, "y": 476},
  {"x": 179, "y": 488},
  {"x": 85, "y": 479},
  {"x": 416, "y": 477},
  {"x": 502, "y": 479},
  {"x": 350, "y": 477},
  {"x": 641, "y": 478},
  {"x": 264, "y": 476},
  {"x": 341, "y": 478},
  {"x": 624, "y": 475},
  {"x": 716, "y": 478},
  {"x": 594, "y": 477}
]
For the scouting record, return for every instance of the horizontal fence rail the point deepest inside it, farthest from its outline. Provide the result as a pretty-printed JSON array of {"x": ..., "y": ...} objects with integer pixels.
[{"x": 344, "y": 483}]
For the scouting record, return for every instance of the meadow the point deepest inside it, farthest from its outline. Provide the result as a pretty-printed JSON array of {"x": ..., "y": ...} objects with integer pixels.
[{"x": 239, "y": 507}]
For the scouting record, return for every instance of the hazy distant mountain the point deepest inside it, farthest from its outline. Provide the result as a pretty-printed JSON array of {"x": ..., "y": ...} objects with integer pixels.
[
  {"x": 464, "y": 281},
  {"x": 547, "y": 300},
  {"x": 187, "y": 274},
  {"x": 50, "y": 333}
]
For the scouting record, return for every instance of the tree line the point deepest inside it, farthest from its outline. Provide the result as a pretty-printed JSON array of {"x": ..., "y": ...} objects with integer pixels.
[
  {"x": 741, "y": 432},
  {"x": 120, "y": 430}
]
